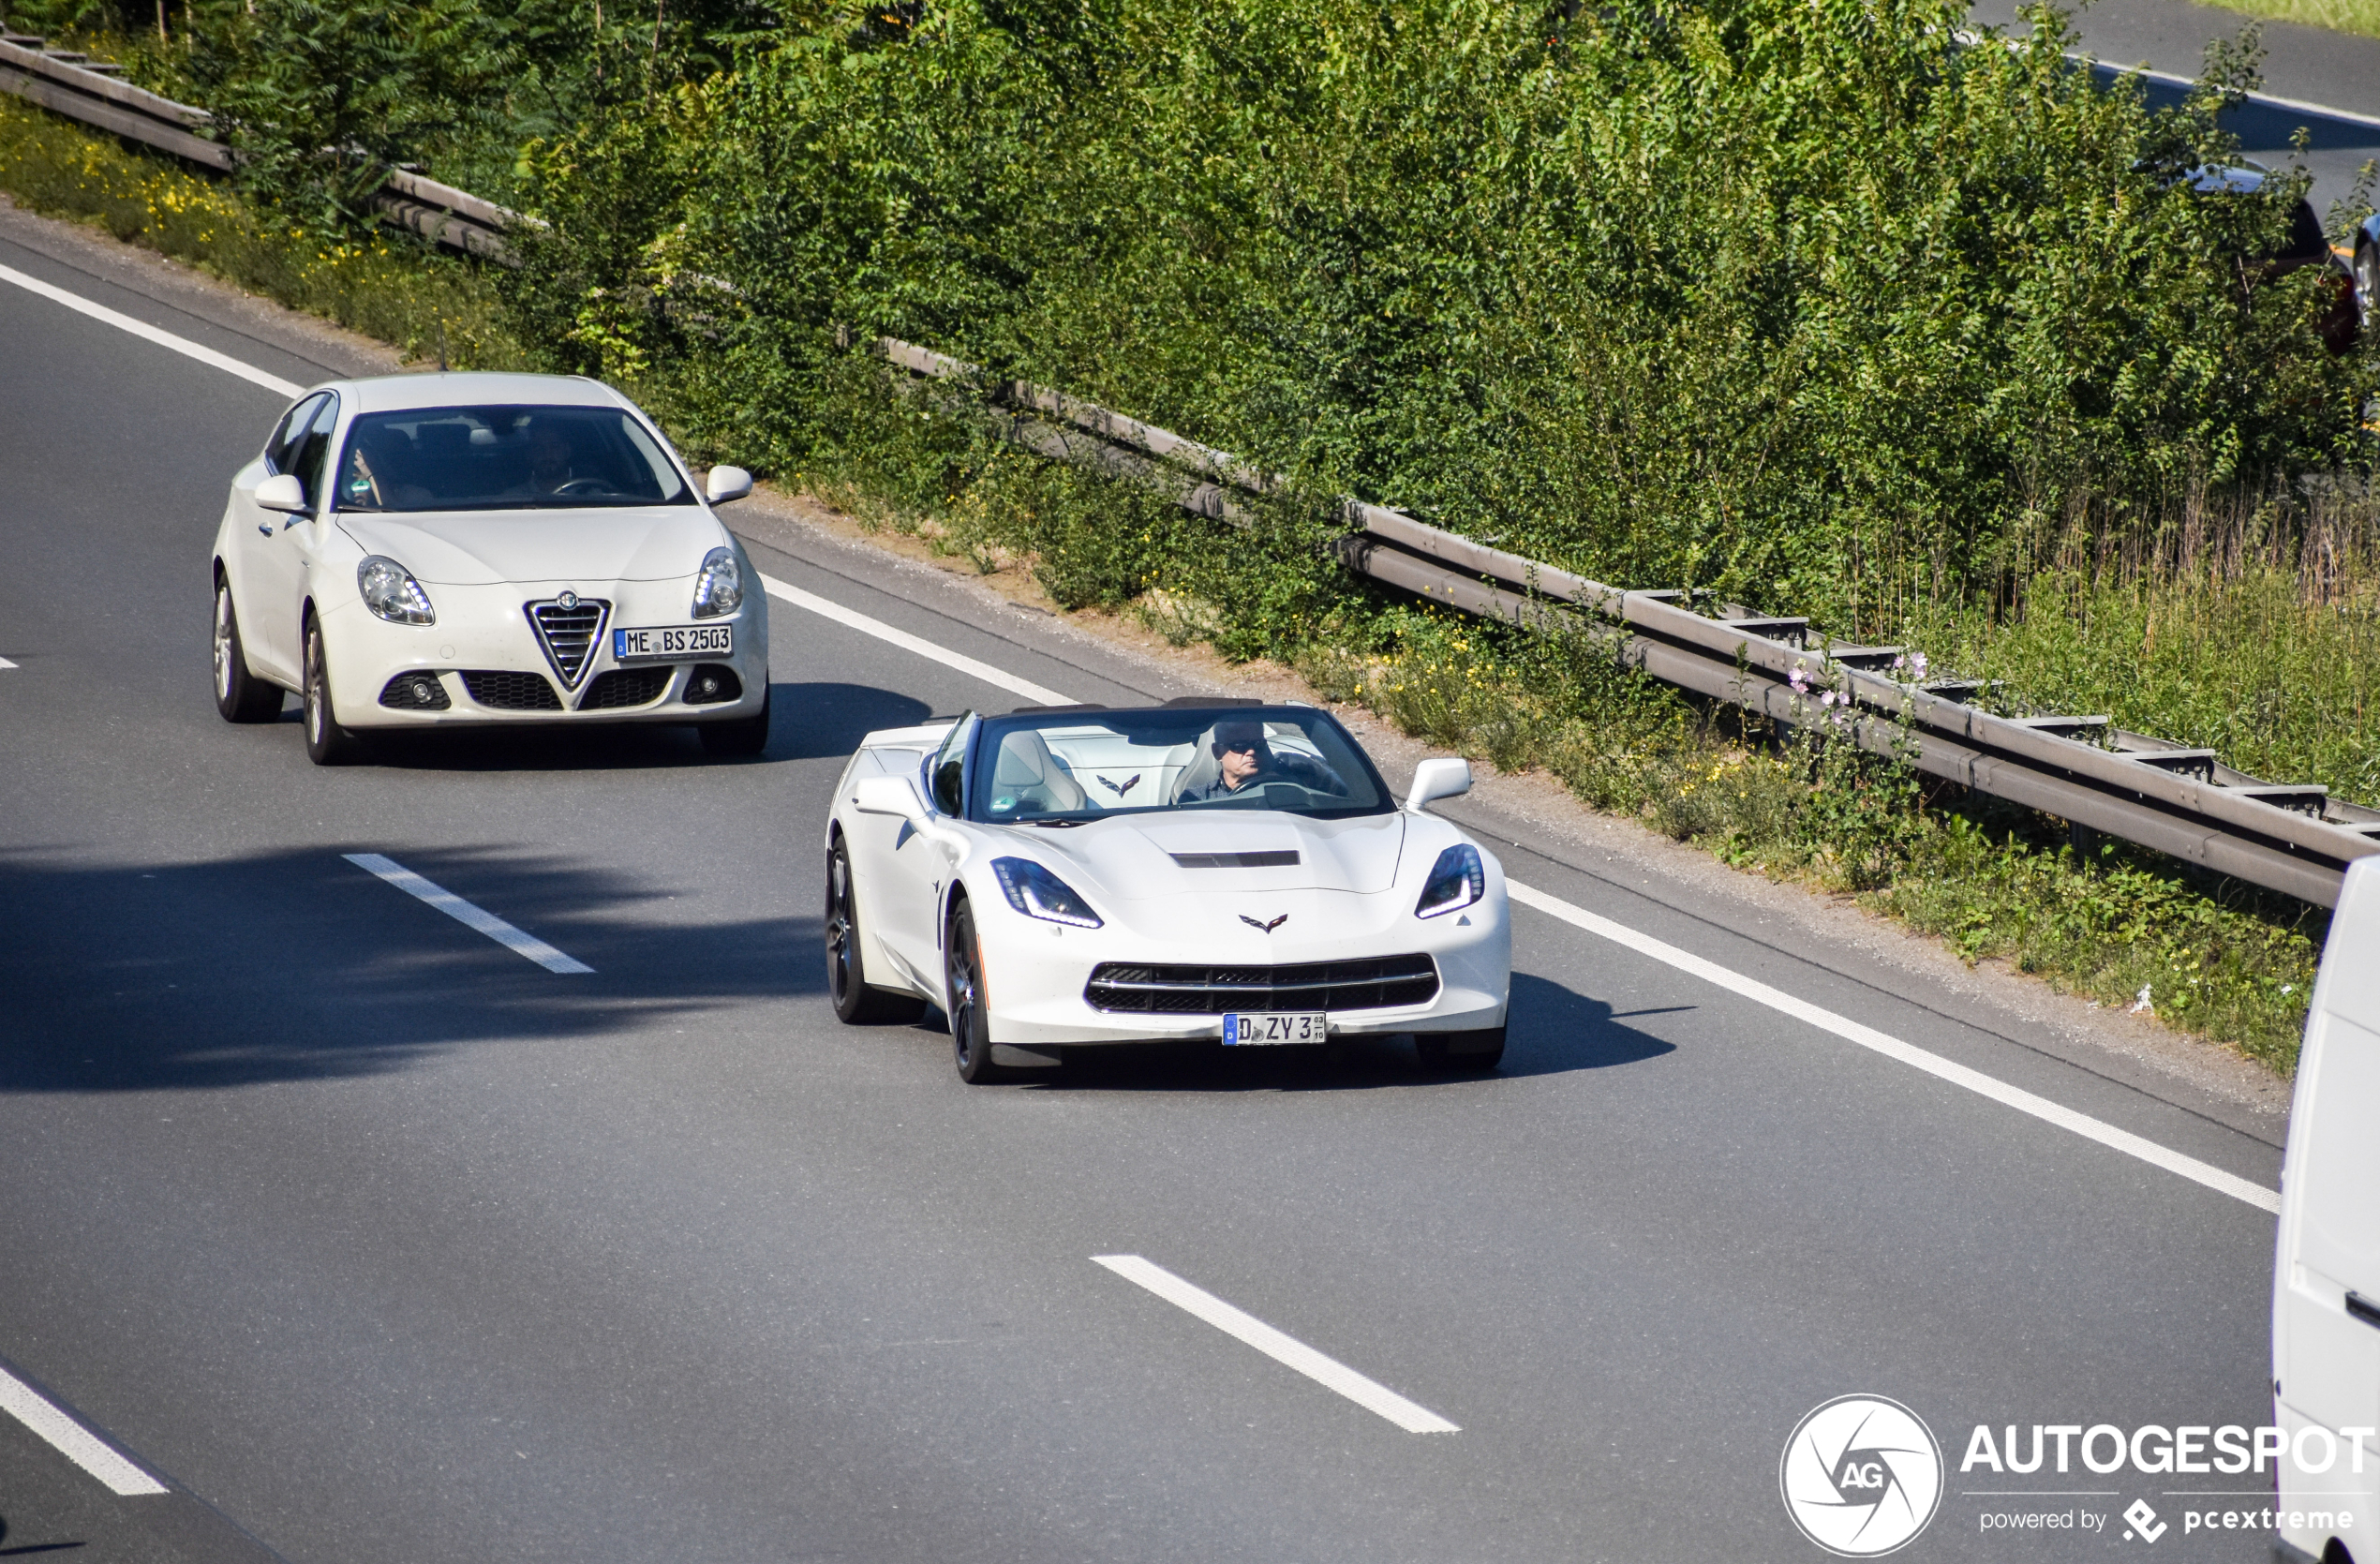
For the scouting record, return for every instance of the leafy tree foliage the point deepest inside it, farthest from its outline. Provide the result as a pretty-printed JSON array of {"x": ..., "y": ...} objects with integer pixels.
[{"x": 1788, "y": 297}]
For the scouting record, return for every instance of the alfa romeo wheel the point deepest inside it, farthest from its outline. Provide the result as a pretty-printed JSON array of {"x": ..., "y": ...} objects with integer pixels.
[
  {"x": 239, "y": 695},
  {"x": 970, "y": 1027},
  {"x": 326, "y": 742},
  {"x": 856, "y": 1003},
  {"x": 1470, "y": 1053}
]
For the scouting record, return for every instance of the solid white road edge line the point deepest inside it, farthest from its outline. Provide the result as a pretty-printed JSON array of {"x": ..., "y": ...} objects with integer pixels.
[
  {"x": 923, "y": 647},
  {"x": 1368, "y": 1393},
  {"x": 72, "y": 1440},
  {"x": 157, "y": 335},
  {"x": 1893, "y": 1047},
  {"x": 464, "y": 912}
]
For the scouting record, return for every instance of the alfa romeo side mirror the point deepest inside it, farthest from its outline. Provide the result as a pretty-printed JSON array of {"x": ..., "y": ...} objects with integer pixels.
[
  {"x": 725, "y": 484},
  {"x": 282, "y": 492}
]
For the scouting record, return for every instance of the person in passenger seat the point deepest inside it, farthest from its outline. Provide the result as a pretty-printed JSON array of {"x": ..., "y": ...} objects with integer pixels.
[{"x": 1244, "y": 759}]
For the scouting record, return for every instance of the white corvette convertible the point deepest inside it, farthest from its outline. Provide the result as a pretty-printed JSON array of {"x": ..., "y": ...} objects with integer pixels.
[
  {"x": 419, "y": 551},
  {"x": 1066, "y": 876}
]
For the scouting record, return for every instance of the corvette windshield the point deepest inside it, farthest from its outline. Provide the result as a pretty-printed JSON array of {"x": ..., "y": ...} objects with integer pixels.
[
  {"x": 1067, "y": 768},
  {"x": 504, "y": 458}
]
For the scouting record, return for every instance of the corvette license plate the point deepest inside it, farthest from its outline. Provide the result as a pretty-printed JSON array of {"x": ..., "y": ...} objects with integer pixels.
[
  {"x": 1302, "y": 1027},
  {"x": 681, "y": 641}
]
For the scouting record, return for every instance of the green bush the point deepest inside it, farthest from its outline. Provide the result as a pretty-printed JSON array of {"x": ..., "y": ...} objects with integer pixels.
[{"x": 1788, "y": 299}]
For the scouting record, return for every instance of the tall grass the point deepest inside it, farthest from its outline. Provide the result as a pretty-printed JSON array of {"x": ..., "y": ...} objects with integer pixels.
[
  {"x": 2250, "y": 624},
  {"x": 387, "y": 286}
]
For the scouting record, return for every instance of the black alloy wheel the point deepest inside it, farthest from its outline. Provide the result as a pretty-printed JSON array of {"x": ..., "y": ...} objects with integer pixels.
[
  {"x": 740, "y": 735},
  {"x": 239, "y": 695},
  {"x": 326, "y": 742},
  {"x": 1470, "y": 1053},
  {"x": 856, "y": 1003},
  {"x": 970, "y": 1027}
]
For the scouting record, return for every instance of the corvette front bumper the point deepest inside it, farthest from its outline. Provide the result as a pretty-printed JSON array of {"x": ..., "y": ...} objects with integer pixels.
[{"x": 1035, "y": 971}]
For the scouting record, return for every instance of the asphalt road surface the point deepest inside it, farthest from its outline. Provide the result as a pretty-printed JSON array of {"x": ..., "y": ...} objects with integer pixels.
[{"x": 364, "y": 1239}]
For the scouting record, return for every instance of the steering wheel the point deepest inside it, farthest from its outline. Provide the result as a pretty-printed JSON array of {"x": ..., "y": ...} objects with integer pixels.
[{"x": 586, "y": 485}]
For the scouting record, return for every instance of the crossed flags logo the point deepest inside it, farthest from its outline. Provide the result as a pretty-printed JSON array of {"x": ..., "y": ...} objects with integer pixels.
[{"x": 1861, "y": 1476}]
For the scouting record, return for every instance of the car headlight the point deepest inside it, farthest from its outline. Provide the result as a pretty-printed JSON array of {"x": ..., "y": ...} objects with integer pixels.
[
  {"x": 720, "y": 588},
  {"x": 1035, "y": 892},
  {"x": 1457, "y": 880},
  {"x": 390, "y": 590}
]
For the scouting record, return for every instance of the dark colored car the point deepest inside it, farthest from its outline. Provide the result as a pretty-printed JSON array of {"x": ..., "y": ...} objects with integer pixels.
[{"x": 2348, "y": 295}]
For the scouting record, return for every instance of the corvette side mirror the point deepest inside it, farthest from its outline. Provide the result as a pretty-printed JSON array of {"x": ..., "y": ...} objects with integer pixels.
[
  {"x": 282, "y": 492},
  {"x": 891, "y": 795},
  {"x": 1433, "y": 779},
  {"x": 725, "y": 484}
]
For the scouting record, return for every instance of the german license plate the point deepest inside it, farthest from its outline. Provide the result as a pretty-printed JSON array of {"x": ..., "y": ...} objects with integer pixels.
[
  {"x": 1297, "y": 1026},
  {"x": 675, "y": 642}
]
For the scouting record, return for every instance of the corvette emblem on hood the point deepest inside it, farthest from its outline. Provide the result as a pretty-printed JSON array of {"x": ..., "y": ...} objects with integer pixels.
[{"x": 1266, "y": 927}]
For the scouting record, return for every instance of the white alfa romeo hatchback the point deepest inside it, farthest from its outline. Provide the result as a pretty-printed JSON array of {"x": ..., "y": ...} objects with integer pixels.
[
  {"x": 420, "y": 551},
  {"x": 1061, "y": 877}
]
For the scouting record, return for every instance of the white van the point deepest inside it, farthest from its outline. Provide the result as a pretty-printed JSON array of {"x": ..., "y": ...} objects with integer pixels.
[{"x": 2326, "y": 1281}]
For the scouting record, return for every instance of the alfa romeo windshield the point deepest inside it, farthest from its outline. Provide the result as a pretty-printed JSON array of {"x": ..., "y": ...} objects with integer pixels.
[
  {"x": 1068, "y": 767},
  {"x": 504, "y": 458}
]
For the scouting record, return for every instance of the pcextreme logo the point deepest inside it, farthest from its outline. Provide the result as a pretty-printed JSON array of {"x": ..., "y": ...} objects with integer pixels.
[{"x": 1861, "y": 1476}]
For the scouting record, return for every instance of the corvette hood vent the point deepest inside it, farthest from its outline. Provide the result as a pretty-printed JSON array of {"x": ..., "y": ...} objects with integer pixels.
[
  {"x": 568, "y": 627},
  {"x": 1283, "y": 859},
  {"x": 1156, "y": 856}
]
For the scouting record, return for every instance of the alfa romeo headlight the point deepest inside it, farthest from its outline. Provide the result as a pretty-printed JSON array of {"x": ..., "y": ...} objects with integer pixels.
[
  {"x": 1035, "y": 892},
  {"x": 1458, "y": 879},
  {"x": 720, "y": 588},
  {"x": 390, "y": 591}
]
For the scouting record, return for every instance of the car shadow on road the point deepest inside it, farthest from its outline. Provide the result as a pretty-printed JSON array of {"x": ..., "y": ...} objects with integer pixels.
[
  {"x": 296, "y": 965},
  {"x": 1553, "y": 1029},
  {"x": 807, "y": 722}
]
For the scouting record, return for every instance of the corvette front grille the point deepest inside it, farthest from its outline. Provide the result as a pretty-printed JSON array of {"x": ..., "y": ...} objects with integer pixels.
[
  {"x": 507, "y": 691},
  {"x": 1373, "y": 983},
  {"x": 569, "y": 635}
]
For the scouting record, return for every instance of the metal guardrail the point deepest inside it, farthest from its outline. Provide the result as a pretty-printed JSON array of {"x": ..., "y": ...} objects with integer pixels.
[
  {"x": 2179, "y": 800},
  {"x": 71, "y": 84}
]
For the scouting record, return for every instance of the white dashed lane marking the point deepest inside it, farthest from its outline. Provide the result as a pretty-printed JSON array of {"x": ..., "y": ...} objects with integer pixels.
[
  {"x": 71, "y": 1440},
  {"x": 465, "y": 913},
  {"x": 1278, "y": 1345}
]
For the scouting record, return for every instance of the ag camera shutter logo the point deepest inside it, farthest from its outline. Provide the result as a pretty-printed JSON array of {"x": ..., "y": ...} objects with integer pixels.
[{"x": 1862, "y": 1476}]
